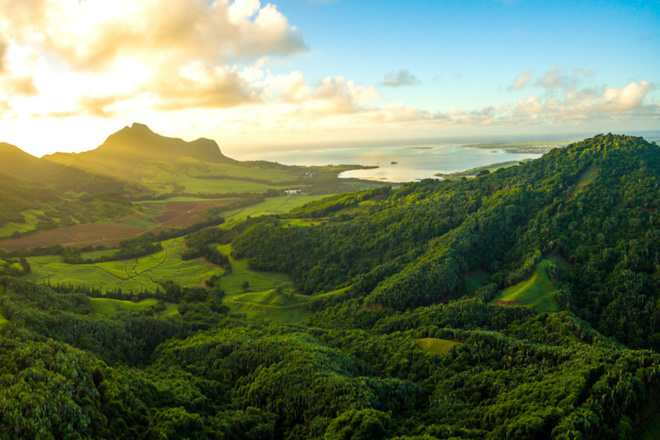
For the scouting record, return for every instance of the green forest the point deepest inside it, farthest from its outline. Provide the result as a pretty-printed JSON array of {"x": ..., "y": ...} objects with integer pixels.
[{"x": 521, "y": 303}]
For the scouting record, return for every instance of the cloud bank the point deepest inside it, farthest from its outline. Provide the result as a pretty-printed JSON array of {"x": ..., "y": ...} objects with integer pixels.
[{"x": 208, "y": 61}]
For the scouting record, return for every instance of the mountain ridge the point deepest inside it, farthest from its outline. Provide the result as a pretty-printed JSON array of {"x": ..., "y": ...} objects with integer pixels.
[{"x": 139, "y": 142}]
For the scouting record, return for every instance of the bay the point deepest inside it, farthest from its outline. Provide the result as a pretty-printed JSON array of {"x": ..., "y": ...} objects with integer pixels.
[{"x": 396, "y": 163}]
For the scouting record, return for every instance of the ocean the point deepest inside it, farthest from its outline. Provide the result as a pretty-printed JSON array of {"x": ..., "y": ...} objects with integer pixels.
[{"x": 399, "y": 163}]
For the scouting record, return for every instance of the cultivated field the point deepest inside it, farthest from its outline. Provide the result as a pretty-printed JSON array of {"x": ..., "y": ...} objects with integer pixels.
[
  {"x": 128, "y": 275},
  {"x": 171, "y": 215},
  {"x": 183, "y": 214},
  {"x": 94, "y": 234}
]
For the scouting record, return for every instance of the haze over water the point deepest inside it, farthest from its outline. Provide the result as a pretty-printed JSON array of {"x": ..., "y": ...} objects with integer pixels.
[{"x": 413, "y": 162}]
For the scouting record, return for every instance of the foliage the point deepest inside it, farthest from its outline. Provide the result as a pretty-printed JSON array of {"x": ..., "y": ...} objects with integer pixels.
[{"x": 399, "y": 347}]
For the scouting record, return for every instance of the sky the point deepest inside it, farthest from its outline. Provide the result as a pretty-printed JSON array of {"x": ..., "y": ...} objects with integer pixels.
[{"x": 256, "y": 75}]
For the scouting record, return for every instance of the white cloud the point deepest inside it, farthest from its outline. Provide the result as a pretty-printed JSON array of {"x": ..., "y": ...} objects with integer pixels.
[
  {"x": 402, "y": 78},
  {"x": 177, "y": 52},
  {"x": 522, "y": 81},
  {"x": 339, "y": 96},
  {"x": 628, "y": 98},
  {"x": 554, "y": 79},
  {"x": 586, "y": 105},
  {"x": 93, "y": 33}
]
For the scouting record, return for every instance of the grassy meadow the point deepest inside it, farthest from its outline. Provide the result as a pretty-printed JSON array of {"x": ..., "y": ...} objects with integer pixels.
[
  {"x": 537, "y": 291},
  {"x": 273, "y": 205},
  {"x": 232, "y": 282},
  {"x": 436, "y": 345},
  {"x": 286, "y": 307}
]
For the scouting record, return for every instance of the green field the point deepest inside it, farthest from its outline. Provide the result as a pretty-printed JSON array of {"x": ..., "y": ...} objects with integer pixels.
[
  {"x": 110, "y": 307},
  {"x": 269, "y": 296},
  {"x": 301, "y": 222},
  {"x": 242, "y": 171},
  {"x": 286, "y": 307},
  {"x": 435, "y": 345},
  {"x": 213, "y": 186},
  {"x": 537, "y": 291},
  {"x": 233, "y": 281},
  {"x": 273, "y": 205},
  {"x": 129, "y": 275}
]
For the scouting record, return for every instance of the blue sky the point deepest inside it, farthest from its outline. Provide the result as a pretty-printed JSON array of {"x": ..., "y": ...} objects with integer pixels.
[
  {"x": 469, "y": 52},
  {"x": 252, "y": 74}
]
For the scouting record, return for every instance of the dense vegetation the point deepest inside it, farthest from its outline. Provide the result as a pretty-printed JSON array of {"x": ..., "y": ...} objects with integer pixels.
[
  {"x": 595, "y": 203},
  {"x": 411, "y": 337}
]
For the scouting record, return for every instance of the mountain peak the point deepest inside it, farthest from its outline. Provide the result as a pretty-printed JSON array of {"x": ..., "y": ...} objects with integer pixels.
[
  {"x": 138, "y": 142},
  {"x": 138, "y": 126}
]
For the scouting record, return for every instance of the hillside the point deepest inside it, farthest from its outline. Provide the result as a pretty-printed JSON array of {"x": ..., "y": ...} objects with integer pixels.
[
  {"x": 173, "y": 166},
  {"x": 136, "y": 182},
  {"x": 516, "y": 305},
  {"x": 594, "y": 203},
  {"x": 16, "y": 163}
]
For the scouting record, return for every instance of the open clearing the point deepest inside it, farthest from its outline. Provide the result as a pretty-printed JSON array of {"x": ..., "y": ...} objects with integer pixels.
[
  {"x": 583, "y": 180},
  {"x": 537, "y": 291},
  {"x": 436, "y": 345},
  {"x": 269, "y": 295},
  {"x": 232, "y": 282},
  {"x": 285, "y": 307}
]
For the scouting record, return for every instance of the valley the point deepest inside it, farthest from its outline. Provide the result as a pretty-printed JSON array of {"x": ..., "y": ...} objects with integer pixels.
[{"x": 481, "y": 308}]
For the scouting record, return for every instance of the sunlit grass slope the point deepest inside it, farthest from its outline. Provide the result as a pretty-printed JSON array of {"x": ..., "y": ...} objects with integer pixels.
[
  {"x": 537, "y": 291},
  {"x": 436, "y": 345},
  {"x": 285, "y": 307}
]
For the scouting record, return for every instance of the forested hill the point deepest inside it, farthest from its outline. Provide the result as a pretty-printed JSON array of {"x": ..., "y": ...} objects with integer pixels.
[
  {"x": 589, "y": 211},
  {"x": 511, "y": 306}
]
